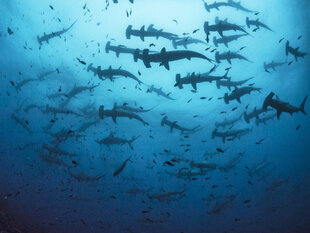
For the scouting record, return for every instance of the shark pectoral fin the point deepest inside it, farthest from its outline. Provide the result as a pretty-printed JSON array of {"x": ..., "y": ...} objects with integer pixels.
[
  {"x": 194, "y": 85},
  {"x": 238, "y": 99},
  {"x": 114, "y": 119},
  {"x": 221, "y": 33},
  {"x": 226, "y": 44},
  {"x": 274, "y": 68},
  {"x": 278, "y": 114},
  {"x": 229, "y": 61},
  {"x": 223, "y": 139},
  {"x": 166, "y": 65}
]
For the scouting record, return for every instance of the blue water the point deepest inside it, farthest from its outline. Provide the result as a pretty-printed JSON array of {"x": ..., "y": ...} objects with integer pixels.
[{"x": 259, "y": 182}]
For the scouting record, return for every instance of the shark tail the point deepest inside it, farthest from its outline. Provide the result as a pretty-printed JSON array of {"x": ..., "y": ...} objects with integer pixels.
[
  {"x": 215, "y": 41},
  {"x": 132, "y": 140},
  {"x": 101, "y": 109},
  {"x": 177, "y": 79},
  {"x": 128, "y": 31},
  {"x": 108, "y": 46},
  {"x": 226, "y": 98},
  {"x": 302, "y": 106}
]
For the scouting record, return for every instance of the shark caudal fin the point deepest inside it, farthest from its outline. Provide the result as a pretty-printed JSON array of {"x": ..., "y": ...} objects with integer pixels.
[
  {"x": 247, "y": 21},
  {"x": 226, "y": 98},
  {"x": 128, "y": 31},
  {"x": 267, "y": 100},
  {"x": 177, "y": 81},
  {"x": 215, "y": 41},
  {"x": 101, "y": 109},
  {"x": 302, "y": 106},
  {"x": 163, "y": 121},
  {"x": 107, "y": 47},
  {"x": 287, "y": 48}
]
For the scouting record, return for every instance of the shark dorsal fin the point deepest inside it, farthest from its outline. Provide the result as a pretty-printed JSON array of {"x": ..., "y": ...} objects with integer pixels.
[{"x": 163, "y": 50}]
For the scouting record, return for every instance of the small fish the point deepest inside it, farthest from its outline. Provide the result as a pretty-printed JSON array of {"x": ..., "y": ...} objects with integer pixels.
[
  {"x": 169, "y": 163},
  {"x": 75, "y": 163},
  {"x": 145, "y": 211},
  {"x": 207, "y": 48},
  {"x": 139, "y": 73},
  {"x": 187, "y": 150},
  {"x": 80, "y": 61},
  {"x": 10, "y": 31},
  {"x": 196, "y": 31},
  {"x": 51, "y": 7},
  {"x": 242, "y": 48},
  {"x": 281, "y": 40},
  {"x": 113, "y": 197},
  {"x": 246, "y": 107},
  {"x": 234, "y": 108},
  {"x": 12, "y": 83},
  {"x": 203, "y": 98},
  {"x": 222, "y": 112},
  {"x": 174, "y": 20},
  {"x": 298, "y": 127},
  {"x": 256, "y": 13},
  {"x": 212, "y": 50},
  {"x": 219, "y": 150},
  {"x": 246, "y": 201},
  {"x": 254, "y": 30},
  {"x": 213, "y": 68},
  {"x": 250, "y": 183},
  {"x": 299, "y": 37},
  {"x": 251, "y": 84},
  {"x": 189, "y": 100},
  {"x": 290, "y": 63}
]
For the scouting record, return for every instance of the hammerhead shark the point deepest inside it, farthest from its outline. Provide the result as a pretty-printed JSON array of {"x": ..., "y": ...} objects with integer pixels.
[
  {"x": 229, "y": 3},
  {"x": 133, "y": 109},
  {"x": 228, "y": 122},
  {"x": 254, "y": 114},
  {"x": 237, "y": 133},
  {"x": 114, "y": 113},
  {"x": 150, "y": 32},
  {"x": 257, "y": 24},
  {"x": 226, "y": 39},
  {"x": 238, "y": 6},
  {"x": 111, "y": 73},
  {"x": 174, "y": 125},
  {"x": 82, "y": 177},
  {"x": 281, "y": 106},
  {"x": 220, "y": 26},
  {"x": 295, "y": 52},
  {"x": 185, "y": 42},
  {"x": 272, "y": 65},
  {"x": 47, "y": 37},
  {"x": 119, "y": 49},
  {"x": 229, "y": 84},
  {"x": 159, "y": 92},
  {"x": 193, "y": 79},
  {"x": 167, "y": 195},
  {"x": 238, "y": 93},
  {"x": 21, "y": 122},
  {"x": 229, "y": 56},
  {"x": 164, "y": 57},
  {"x": 112, "y": 140},
  {"x": 264, "y": 119}
]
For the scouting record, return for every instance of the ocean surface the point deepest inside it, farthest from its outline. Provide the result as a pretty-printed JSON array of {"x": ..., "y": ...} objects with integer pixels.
[{"x": 154, "y": 116}]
